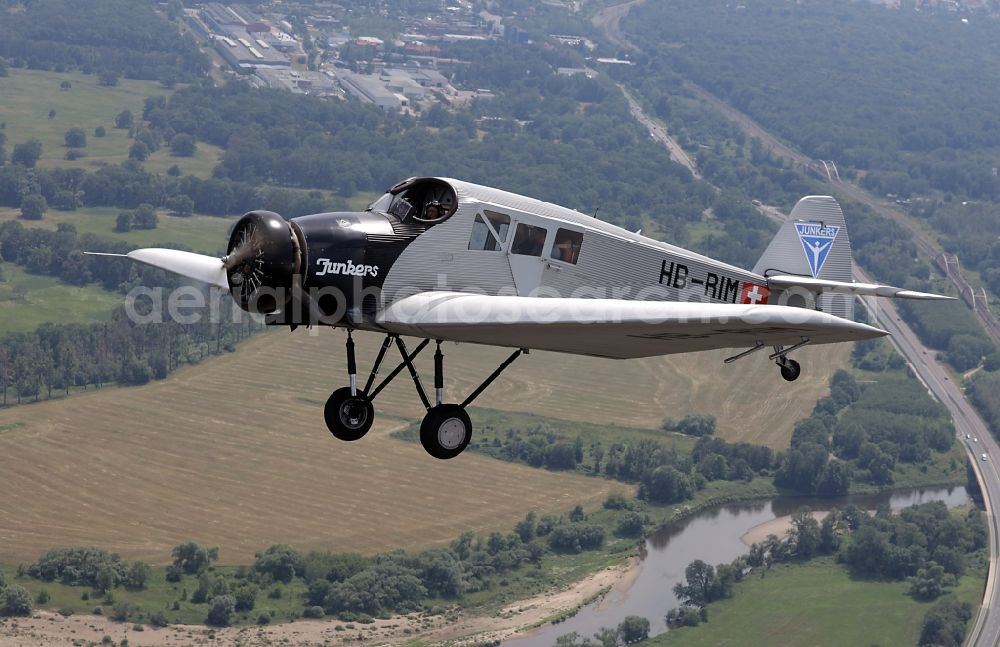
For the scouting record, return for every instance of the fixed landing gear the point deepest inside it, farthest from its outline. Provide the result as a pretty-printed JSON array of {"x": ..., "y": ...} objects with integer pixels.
[
  {"x": 446, "y": 429},
  {"x": 349, "y": 416},
  {"x": 790, "y": 369}
]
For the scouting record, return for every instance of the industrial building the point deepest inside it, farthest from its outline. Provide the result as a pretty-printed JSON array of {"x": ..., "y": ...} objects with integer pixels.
[
  {"x": 370, "y": 89},
  {"x": 300, "y": 82},
  {"x": 245, "y": 56}
]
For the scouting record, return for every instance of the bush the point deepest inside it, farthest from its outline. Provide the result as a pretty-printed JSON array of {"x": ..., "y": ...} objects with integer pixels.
[
  {"x": 121, "y": 611},
  {"x": 15, "y": 601},
  {"x": 944, "y": 624},
  {"x": 183, "y": 145},
  {"x": 80, "y": 567},
  {"x": 695, "y": 424},
  {"x": 575, "y": 538},
  {"x": 33, "y": 206},
  {"x": 264, "y": 619},
  {"x": 617, "y": 501},
  {"x": 633, "y": 629},
  {"x": 313, "y": 612},
  {"x": 281, "y": 562},
  {"x": 75, "y": 138},
  {"x": 193, "y": 558},
  {"x": 630, "y": 524},
  {"x": 221, "y": 612}
]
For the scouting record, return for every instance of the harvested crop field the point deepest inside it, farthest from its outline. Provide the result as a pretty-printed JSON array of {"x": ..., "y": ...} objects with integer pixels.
[{"x": 234, "y": 452}]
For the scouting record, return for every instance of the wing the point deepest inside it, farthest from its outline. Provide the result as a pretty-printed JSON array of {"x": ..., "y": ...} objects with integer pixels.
[{"x": 612, "y": 327}]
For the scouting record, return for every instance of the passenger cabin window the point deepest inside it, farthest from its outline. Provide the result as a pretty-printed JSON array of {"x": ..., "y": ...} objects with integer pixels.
[
  {"x": 500, "y": 223},
  {"x": 489, "y": 233},
  {"x": 566, "y": 246},
  {"x": 528, "y": 240}
]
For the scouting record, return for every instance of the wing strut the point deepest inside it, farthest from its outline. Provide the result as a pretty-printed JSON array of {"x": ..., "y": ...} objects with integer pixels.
[
  {"x": 730, "y": 360},
  {"x": 781, "y": 352}
]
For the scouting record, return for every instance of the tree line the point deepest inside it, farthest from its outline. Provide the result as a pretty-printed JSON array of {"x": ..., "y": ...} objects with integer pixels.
[
  {"x": 111, "y": 38},
  {"x": 58, "y": 358},
  {"x": 857, "y": 434},
  {"x": 128, "y": 186},
  {"x": 350, "y": 586},
  {"x": 664, "y": 473}
]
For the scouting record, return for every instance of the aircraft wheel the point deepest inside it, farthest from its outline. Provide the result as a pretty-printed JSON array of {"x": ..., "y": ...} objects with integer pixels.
[
  {"x": 445, "y": 431},
  {"x": 791, "y": 370},
  {"x": 349, "y": 417}
]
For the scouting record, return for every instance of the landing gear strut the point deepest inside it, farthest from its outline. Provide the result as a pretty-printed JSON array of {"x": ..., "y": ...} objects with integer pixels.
[
  {"x": 446, "y": 428},
  {"x": 790, "y": 369}
]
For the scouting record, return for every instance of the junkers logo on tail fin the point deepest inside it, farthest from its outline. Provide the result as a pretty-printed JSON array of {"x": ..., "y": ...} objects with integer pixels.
[{"x": 817, "y": 241}]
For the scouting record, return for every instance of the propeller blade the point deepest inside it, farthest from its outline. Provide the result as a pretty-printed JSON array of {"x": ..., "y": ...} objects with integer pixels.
[{"x": 199, "y": 267}]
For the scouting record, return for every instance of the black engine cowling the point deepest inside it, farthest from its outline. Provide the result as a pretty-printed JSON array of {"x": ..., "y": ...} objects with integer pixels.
[{"x": 263, "y": 257}]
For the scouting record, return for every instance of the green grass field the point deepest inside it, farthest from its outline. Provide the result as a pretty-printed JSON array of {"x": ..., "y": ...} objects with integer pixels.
[
  {"x": 204, "y": 234},
  {"x": 817, "y": 603},
  {"x": 48, "y": 299},
  {"x": 29, "y": 95}
]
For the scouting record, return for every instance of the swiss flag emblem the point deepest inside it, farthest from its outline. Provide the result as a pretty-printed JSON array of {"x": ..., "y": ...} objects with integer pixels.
[{"x": 753, "y": 293}]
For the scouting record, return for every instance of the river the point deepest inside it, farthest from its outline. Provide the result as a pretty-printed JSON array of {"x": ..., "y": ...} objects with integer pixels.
[{"x": 712, "y": 535}]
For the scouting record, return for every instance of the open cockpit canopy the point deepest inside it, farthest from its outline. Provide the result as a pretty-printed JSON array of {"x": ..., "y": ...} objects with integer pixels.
[{"x": 418, "y": 200}]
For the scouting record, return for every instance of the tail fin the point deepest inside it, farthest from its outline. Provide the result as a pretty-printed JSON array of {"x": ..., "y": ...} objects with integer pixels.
[{"x": 813, "y": 242}]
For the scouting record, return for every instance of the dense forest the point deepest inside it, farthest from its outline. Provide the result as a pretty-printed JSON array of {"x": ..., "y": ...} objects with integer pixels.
[
  {"x": 111, "y": 38},
  {"x": 887, "y": 93}
]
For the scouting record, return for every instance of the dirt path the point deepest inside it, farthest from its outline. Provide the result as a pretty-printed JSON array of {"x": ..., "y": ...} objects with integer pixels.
[{"x": 46, "y": 628}]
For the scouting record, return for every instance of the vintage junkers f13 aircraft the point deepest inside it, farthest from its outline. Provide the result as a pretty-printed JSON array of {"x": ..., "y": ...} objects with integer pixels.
[{"x": 441, "y": 259}]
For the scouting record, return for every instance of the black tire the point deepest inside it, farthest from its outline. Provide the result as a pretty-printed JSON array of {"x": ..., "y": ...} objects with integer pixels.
[
  {"x": 445, "y": 431},
  {"x": 349, "y": 417},
  {"x": 791, "y": 370}
]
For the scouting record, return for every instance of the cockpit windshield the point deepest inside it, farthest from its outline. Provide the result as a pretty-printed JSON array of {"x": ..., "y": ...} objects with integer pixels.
[{"x": 382, "y": 204}]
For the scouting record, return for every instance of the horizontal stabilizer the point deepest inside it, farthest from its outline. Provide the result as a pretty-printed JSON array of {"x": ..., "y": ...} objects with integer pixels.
[
  {"x": 199, "y": 267},
  {"x": 612, "y": 327},
  {"x": 814, "y": 285}
]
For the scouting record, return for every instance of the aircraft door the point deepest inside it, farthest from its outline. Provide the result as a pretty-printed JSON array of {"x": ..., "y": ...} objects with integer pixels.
[
  {"x": 526, "y": 256},
  {"x": 562, "y": 252}
]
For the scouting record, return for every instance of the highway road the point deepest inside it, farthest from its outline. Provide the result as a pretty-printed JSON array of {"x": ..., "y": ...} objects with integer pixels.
[
  {"x": 972, "y": 433},
  {"x": 981, "y": 448},
  {"x": 659, "y": 133},
  {"x": 970, "y": 428}
]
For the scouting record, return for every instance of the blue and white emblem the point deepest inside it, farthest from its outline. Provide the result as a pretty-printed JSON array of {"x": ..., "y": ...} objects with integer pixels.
[{"x": 817, "y": 241}]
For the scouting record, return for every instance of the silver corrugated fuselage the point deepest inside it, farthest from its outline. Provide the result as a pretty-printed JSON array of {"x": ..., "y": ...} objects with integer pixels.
[{"x": 612, "y": 263}]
